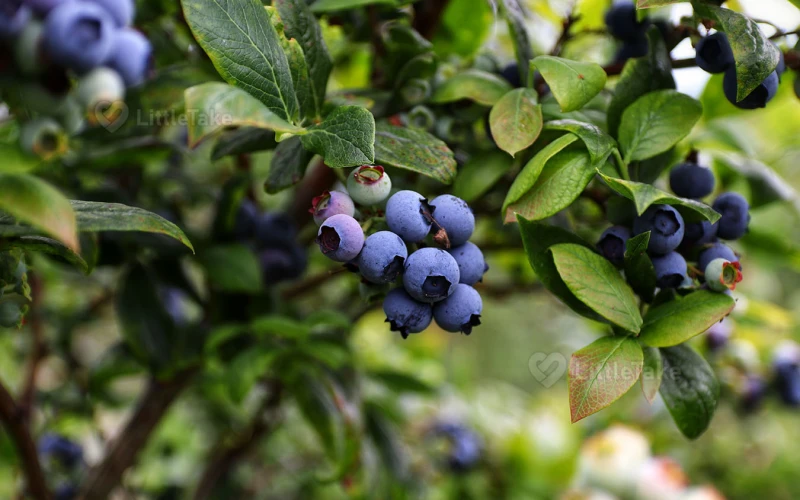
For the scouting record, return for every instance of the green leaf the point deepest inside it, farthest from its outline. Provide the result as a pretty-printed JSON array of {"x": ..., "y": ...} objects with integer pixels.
[
  {"x": 640, "y": 76},
  {"x": 299, "y": 23},
  {"x": 399, "y": 382},
  {"x": 681, "y": 319},
  {"x": 475, "y": 85},
  {"x": 649, "y": 4},
  {"x": 652, "y": 373},
  {"x": 537, "y": 238},
  {"x": 755, "y": 55},
  {"x": 480, "y": 173},
  {"x": 561, "y": 181},
  {"x": 656, "y": 122},
  {"x": 280, "y": 326},
  {"x": 416, "y": 150},
  {"x": 288, "y": 165},
  {"x": 319, "y": 409},
  {"x": 324, "y": 6},
  {"x": 598, "y": 284},
  {"x": 15, "y": 161},
  {"x": 385, "y": 436},
  {"x": 572, "y": 83},
  {"x": 243, "y": 141},
  {"x": 35, "y": 202},
  {"x": 527, "y": 177},
  {"x": 598, "y": 143},
  {"x": 689, "y": 388},
  {"x": 639, "y": 269},
  {"x": 644, "y": 195},
  {"x": 345, "y": 139},
  {"x": 52, "y": 247},
  {"x": 298, "y": 69},
  {"x": 463, "y": 29},
  {"x": 516, "y": 120},
  {"x": 246, "y": 369},
  {"x": 601, "y": 373},
  {"x": 232, "y": 268},
  {"x": 95, "y": 217},
  {"x": 514, "y": 11},
  {"x": 212, "y": 107},
  {"x": 246, "y": 50}
]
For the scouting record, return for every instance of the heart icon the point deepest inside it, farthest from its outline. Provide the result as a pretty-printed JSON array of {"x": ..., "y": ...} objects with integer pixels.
[
  {"x": 541, "y": 367},
  {"x": 111, "y": 115}
]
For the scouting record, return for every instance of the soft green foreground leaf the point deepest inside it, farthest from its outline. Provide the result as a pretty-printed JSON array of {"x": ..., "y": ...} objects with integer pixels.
[
  {"x": 15, "y": 161},
  {"x": 598, "y": 284},
  {"x": 598, "y": 143},
  {"x": 516, "y": 120},
  {"x": 689, "y": 388},
  {"x": 537, "y": 238},
  {"x": 243, "y": 141},
  {"x": 52, "y": 247},
  {"x": 232, "y": 268},
  {"x": 475, "y": 85},
  {"x": 756, "y": 57},
  {"x": 246, "y": 50},
  {"x": 35, "y": 202},
  {"x": 573, "y": 83},
  {"x": 656, "y": 122},
  {"x": 416, "y": 150},
  {"x": 321, "y": 6},
  {"x": 289, "y": 163},
  {"x": 517, "y": 21},
  {"x": 601, "y": 373},
  {"x": 644, "y": 195},
  {"x": 212, "y": 107},
  {"x": 652, "y": 373},
  {"x": 480, "y": 173},
  {"x": 561, "y": 181},
  {"x": 681, "y": 319},
  {"x": 530, "y": 173},
  {"x": 649, "y": 4},
  {"x": 639, "y": 269},
  {"x": 345, "y": 139}
]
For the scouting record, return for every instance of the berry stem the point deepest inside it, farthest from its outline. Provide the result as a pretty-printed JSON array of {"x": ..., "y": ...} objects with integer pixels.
[{"x": 622, "y": 165}]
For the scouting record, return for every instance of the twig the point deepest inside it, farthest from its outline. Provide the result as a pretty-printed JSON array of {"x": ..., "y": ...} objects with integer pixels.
[
  {"x": 781, "y": 34},
  {"x": 319, "y": 178},
  {"x": 13, "y": 420},
  {"x": 39, "y": 350},
  {"x": 311, "y": 283},
  {"x": 500, "y": 291},
  {"x": 225, "y": 456},
  {"x": 565, "y": 34},
  {"x": 157, "y": 399}
]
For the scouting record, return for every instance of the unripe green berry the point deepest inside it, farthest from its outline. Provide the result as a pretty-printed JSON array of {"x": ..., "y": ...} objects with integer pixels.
[
  {"x": 72, "y": 117},
  {"x": 722, "y": 275},
  {"x": 26, "y": 49},
  {"x": 98, "y": 90},
  {"x": 44, "y": 138},
  {"x": 369, "y": 185}
]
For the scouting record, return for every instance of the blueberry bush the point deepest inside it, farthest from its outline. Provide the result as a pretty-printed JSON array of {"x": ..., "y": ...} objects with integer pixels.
[{"x": 237, "y": 239}]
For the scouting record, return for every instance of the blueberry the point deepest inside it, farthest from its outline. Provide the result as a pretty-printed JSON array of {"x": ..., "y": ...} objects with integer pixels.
[
  {"x": 471, "y": 264},
  {"x": 670, "y": 270},
  {"x": 734, "y": 209},
  {"x": 383, "y": 257},
  {"x": 454, "y": 216},
  {"x": 131, "y": 56},
  {"x": 61, "y": 449},
  {"x": 43, "y": 7},
  {"x": 786, "y": 366},
  {"x": 65, "y": 491},
  {"x": 79, "y": 35},
  {"x": 713, "y": 53},
  {"x": 369, "y": 185},
  {"x": 99, "y": 89},
  {"x": 331, "y": 203},
  {"x": 716, "y": 251},
  {"x": 621, "y": 21},
  {"x": 612, "y": 244},
  {"x": 340, "y": 238},
  {"x": 665, "y": 225},
  {"x": 699, "y": 233},
  {"x": 430, "y": 275},
  {"x": 275, "y": 230},
  {"x": 690, "y": 180},
  {"x": 404, "y": 314},
  {"x": 758, "y": 98},
  {"x": 43, "y": 137},
  {"x": 244, "y": 224},
  {"x": 460, "y": 311},
  {"x": 409, "y": 216},
  {"x": 752, "y": 393},
  {"x": 13, "y": 18},
  {"x": 511, "y": 74},
  {"x": 718, "y": 335},
  {"x": 120, "y": 10},
  {"x": 722, "y": 275},
  {"x": 282, "y": 263},
  {"x": 175, "y": 303},
  {"x": 637, "y": 47},
  {"x": 465, "y": 446}
]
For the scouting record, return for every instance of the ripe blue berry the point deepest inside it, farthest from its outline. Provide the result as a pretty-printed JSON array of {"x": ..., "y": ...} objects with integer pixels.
[
  {"x": 282, "y": 263},
  {"x": 79, "y": 35},
  {"x": 454, "y": 216},
  {"x": 131, "y": 56},
  {"x": 716, "y": 251},
  {"x": 465, "y": 446},
  {"x": 65, "y": 491},
  {"x": 244, "y": 224},
  {"x": 340, "y": 238},
  {"x": 275, "y": 230},
  {"x": 120, "y": 10},
  {"x": 404, "y": 314},
  {"x": 722, "y": 275},
  {"x": 460, "y": 311},
  {"x": 718, "y": 335},
  {"x": 612, "y": 244},
  {"x": 409, "y": 216},
  {"x": 369, "y": 185},
  {"x": 786, "y": 365},
  {"x": 621, "y": 21},
  {"x": 511, "y": 74},
  {"x": 61, "y": 449},
  {"x": 331, "y": 203},
  {"x": 431, "y": 275},
  {"x": 752, "y": 393},
  {"x": 383, "y": 257},
  {"x": 758, "y": 98},
  {"x": 734, "y": 209},
  {"x": 471, "y": 264},
  {"x": 699, "y": 233},
  {"x": 665, "y": 225},
  {"x": 636, "y": 47},
  {"x": 670, "y": 270},
  {"x": 13, "y": 18},
  {"x": 690, "y": 180},
  {"x": 713, "y": 53}
]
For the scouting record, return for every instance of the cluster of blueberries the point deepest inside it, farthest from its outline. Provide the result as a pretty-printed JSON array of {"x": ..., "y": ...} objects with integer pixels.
[
  {"x": 54, "y": 42},
  {"x": 713, "y": 54},
  {"x": 437, "y": 283},
  {"x": 622, "y": 23},
  {"x": 62, "y": 459},
  {"x": 672, "y": 240}
]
